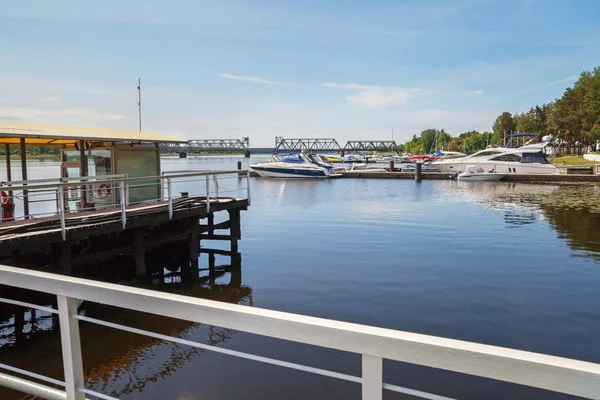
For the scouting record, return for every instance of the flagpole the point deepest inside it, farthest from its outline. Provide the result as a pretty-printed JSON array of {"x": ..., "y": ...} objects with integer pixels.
[{"x": 140, "y": 102}]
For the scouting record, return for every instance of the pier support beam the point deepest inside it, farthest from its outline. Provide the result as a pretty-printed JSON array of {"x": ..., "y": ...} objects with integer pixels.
[
  {"x": 235, "y": 229},
  {"x": 194, "y": 248},
  {"x": 139, "y": 254}
]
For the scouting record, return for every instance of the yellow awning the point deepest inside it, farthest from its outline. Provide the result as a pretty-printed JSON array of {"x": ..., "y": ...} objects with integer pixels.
[{"x": 39, "y": 135}]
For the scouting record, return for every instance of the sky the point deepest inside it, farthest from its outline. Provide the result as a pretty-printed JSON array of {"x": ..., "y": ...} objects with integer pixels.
[{"x": 350, "y": 70}]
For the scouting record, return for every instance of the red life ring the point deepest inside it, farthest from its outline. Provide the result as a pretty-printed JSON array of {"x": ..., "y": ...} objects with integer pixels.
[{"x": 103, "y": 191}]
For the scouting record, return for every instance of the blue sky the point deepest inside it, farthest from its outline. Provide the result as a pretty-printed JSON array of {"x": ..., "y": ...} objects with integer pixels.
[{"x": 344, "y": 69}]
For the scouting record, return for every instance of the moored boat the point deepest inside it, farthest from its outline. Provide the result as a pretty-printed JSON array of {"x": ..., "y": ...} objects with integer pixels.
[
  {"x": 296, "y": 166},
  {"x": 478, "y": 174}
]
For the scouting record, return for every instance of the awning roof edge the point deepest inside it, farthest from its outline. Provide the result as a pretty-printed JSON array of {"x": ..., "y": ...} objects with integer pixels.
[{"x": 70, "y": 134}]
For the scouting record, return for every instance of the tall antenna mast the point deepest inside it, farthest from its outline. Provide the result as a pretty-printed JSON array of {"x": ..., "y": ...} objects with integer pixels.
[{"x": 140, "y": 102}]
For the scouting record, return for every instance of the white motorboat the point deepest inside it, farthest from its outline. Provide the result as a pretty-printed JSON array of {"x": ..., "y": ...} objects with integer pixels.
[
  {"x": 365, "y": 168},
  {"x": 295, "y": 166},
  {"x": 425, "y": 167},
  {"x": 478, "y": 174},
  {"x": 528, "y": 159}
]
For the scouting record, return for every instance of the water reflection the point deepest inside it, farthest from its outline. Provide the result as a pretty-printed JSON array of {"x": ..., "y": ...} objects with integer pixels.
[
  {"x": 118, "y": 363},
  {"x": 573, "y": 210}
]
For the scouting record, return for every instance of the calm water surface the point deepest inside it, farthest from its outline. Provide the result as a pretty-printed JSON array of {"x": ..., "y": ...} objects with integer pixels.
[{"x": 506, "y": 264}]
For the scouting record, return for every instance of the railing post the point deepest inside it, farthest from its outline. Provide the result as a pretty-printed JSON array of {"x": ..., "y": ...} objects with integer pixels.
[
  {"x": 123, "y": 203},
  {"x": 207, "y": 195},
  {"x": 71, "y": 347},
  {"x": 372, "y": 377},
  {"x": 61, "y": 212},
  {"x": 216, "y": 182},
  {"x": 170, "y": 197},
  {"x": 248, "y": 185}
]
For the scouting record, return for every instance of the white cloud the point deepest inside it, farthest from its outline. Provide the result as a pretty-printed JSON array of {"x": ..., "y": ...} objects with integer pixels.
[
  {"x": 49, "y": 99},
  {"x": 477, "y": 92},
  {"x": 34, "y": 114},
  {"x": 254, "y": 79},
  {"x": 374, "y": 96}
]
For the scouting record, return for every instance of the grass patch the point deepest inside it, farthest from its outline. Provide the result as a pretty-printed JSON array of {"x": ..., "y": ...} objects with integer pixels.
[{"x": 571, "y": 160}]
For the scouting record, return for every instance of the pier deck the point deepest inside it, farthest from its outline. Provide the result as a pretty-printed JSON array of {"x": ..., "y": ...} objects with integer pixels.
[{"x": 83, "y": 224}]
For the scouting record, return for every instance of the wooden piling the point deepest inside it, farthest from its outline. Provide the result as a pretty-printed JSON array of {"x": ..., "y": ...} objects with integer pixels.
[
  {"x": 239, "y": 165},
  {"x": 194, "y": 248},
  {"x": 392, "y": 169},
  {"x": 235, "y": 229},
  {"x": 418, "y": 168}
]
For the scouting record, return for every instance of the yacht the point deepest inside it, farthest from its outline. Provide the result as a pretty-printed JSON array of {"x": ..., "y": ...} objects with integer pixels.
[
  {"x": 529, "y": 159},
  {"x": 296, "y": 166}
]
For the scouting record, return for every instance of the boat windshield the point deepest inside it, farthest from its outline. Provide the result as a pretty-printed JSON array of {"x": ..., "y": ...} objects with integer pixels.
[
  {"x": 534, "y": 158},
  {"x": 292, "y": 159}
]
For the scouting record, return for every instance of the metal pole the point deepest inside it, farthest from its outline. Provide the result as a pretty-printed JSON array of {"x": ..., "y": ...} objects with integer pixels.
[
  {"x": 372, "y": 377},
  {"x": 170, "y": 197},
  {"x": 83, "y": 169},
  {"x": 61, "y": 212},
  {"x": 71, "y": 348},
  {"x": 24, "y": 178},
  {"x": 216, "y": 181},
  {"x": 122, "y": 199},
  {"x": 248, "y": 185},
  {"x": 418, "y": 166},
  {"x": 8, "y": 171},
  {"x": 207, "y": 195},
  {"x": 140, "y": 102}
]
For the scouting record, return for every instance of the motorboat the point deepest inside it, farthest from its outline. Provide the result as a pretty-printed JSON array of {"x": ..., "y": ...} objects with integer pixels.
[
  {"x": 529, "y": 159},
  {"x": 295, "y": 166},
  {"x": 395, "y": 158},
  {"x": 357, "y": 157},
  {"x": 478, "y": 174},
  {"x": 364, "y": 168},
  {"x": 425, "y": 167}
]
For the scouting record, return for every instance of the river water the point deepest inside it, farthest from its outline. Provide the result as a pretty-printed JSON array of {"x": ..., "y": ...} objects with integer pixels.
[{"x": 506, "y": 264}]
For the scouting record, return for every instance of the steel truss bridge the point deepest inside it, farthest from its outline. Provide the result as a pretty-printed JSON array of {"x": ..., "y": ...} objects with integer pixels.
[
  {"x": 331, "y": 145},
  {"x": 208, "y": 146}
]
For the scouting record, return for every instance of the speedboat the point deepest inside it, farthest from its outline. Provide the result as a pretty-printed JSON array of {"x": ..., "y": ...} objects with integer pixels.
[
  {"x": 425, "y": 167},
  {"x": 529, "y": 159},
  {"x": 296, "y": 166},
  {"x": 365, "y": 168},
  {"x": 478, "y": 174}
]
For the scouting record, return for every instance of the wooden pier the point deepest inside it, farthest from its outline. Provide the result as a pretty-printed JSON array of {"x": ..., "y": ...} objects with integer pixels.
[{"x": 96, "y": 237}]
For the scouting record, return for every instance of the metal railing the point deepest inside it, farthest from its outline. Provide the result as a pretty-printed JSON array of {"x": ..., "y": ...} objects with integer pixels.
[
  {"x": 66, "y": 197},
  {"x": 374, "y": 344}
]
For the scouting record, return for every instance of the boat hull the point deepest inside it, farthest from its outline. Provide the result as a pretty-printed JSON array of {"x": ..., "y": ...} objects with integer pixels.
[
  {"x": 272, "y": 172},
  {"x": 500, "y": 167},
  {"x": 482, "y": 177}
]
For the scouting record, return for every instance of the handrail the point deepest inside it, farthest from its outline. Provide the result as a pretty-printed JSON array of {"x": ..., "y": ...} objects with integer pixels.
[
  {"x": 554, "y": 373},
  {"x": 91, "y": 179}
]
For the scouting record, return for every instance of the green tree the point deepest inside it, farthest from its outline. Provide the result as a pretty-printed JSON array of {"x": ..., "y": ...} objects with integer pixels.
[{"x": 504, "y": 125}]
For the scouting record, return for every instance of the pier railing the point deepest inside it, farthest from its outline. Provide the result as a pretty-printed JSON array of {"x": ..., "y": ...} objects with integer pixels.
[
  {"x": 66, "y": 196},
  {"x": 374, "y": 344}
]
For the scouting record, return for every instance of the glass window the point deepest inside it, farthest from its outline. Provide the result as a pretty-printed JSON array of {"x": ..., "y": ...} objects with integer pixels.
[
  {"x": 534, "y": 158},
  {"x": 138, "y": 163},
  {"x": 507, "y": 157}
]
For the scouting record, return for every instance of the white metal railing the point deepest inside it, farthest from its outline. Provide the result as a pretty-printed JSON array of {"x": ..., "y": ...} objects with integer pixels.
[
  {"x": 557, "y": 374},
  {"x": 65, "y": 197}
]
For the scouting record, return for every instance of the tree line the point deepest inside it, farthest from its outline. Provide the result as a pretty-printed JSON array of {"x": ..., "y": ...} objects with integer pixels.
[{"x": 574, "y": 118}]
